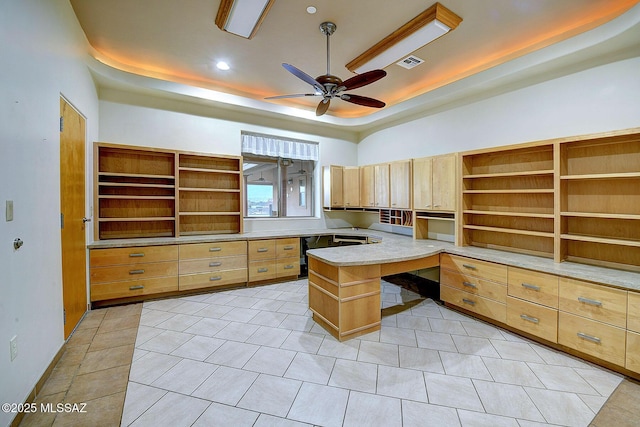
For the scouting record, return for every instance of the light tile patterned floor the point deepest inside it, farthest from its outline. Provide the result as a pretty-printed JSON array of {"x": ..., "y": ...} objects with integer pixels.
[{"x": 254, "y": 357}]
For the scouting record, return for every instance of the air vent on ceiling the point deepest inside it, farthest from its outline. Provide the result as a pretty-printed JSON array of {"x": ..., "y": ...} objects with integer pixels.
[{"x": 410, "y": 62}]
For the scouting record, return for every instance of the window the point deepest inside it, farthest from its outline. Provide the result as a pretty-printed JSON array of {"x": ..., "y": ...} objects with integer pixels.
[
  {"x": 276, "y": 187},
  {"x": 278, "y": 176}
]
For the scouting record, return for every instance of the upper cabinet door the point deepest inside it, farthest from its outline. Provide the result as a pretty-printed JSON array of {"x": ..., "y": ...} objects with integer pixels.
[
  {"x": 332, "y": 183},
  {"x": 444, "y": 183},
  {"x": 400, "y": 173},
  {"x": 382, "y": 189},
  {"x": 422, "y": 183},
  {"x": 367, "y": 186},
  {"x": 351, "y": 186}
]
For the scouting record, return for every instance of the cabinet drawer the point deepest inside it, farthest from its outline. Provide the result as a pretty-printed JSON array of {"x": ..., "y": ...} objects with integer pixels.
[
  {"x": 262, "y": 249},
  {"x": 262, "y": 270},
  {"x": 474, "y": 267},
  {"x": 533, "y": 286},
  {"x": 119, "y": 273},
  {"x": 633, "y": 352},
  {"x": 483, "y": 306},
  {"x": 633, "y": 312},
  {"x": 105, "y": 291},
  {"x": 191, "y": 266},
  {"x": 288, "y": 248},
  {"x": 208, "y": 250},
  {"x": 214, "y": 278},
  {"x": 474, "y": 285},
  {"x": 117, "y": 256},
  {"x": 596, "y": 302},
  {"x": 532, "y": 318},
  {"x": 288, "y": 267},
  {"x": 603, "y": 341}
]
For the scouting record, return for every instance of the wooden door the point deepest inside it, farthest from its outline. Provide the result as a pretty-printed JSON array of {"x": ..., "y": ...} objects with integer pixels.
[
  {"x": 367, "y": 186},
  {"x": 382, "y": 185},
  {"x": 444, "y": 183},
  {"x": 351, "y": 186},
  {"x": 422, "y": 183},
  {"x": 400, "y": 184},
  {"x": 72, "y": 205}
]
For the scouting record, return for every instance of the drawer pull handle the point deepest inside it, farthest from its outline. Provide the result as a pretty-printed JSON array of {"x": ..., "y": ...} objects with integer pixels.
[
  {"x": 288, "y": 248},
  {"x": 288, "y": 267},
  {"x": 215, "y": 264},
  {"x": 263, "y": 249},
  {"x": 136, "y": 271},
  {"x": 589, "y": 338},
  {"x": 215, "y": 249},
  {"x": 136, "y": 255},
  {"x": 469, "y": 266},
  {"x": 263, "y": 270},
  {"x": 215, "y": 278},
  {"x": 135, "y": 288},
  {"x": 469, "y": 285},
  {"x": 468, "y": 301},
  {"x": 530, "y": 286},
  {"x": 590, "y": 301},
  {"x": 529, "y": 318}
]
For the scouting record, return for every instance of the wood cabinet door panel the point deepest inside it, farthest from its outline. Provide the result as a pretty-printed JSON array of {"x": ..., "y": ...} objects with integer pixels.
[
  {"x": 533, "y": 318},
  {"x": 135, "y": 288},
  {"x": 212, "y": 279},
  {"x": 119, "y": 273},
  {"x": 192, "y": 266},
  {"x": 288, "y": 248},
  {"x": 483, "y": 306},
  {"x": 422, "y": 183},
  {"x": 444, "y": 183},
  {"x": 351, "y": 186},
  {"x": 474, "y": 285},
  {"x": 262, "y": 249},
  {"x": 593, "y": 301},
  {"x": 210, "y": 250},
  {"x": 533, "y": 286},
  {"x": 474, "y": 267},
  {"x": 598, "y": 339},
  {"x": 132, "y": 255}
]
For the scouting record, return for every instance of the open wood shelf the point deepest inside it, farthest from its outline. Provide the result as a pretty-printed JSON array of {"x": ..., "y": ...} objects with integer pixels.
[
  {"x": 145, "y": 192},
  {"x": 625, "y": 175},
  {"x": 508, "y": 199},
  {"x": 600, "y": 215},
  {"x": 399, "y": 217}
]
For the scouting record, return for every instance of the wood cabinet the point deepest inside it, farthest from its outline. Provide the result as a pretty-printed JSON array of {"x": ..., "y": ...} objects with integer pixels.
[
  {"x": 132, "y": 272},
  {"x": 341, "y": 186},
  {"x": 134, "y": 192},
  {"x": 600, "y": 201},
  {"x": 374, "y": 186},
  {"x": 592, "y": 319},
  {"x": 345, "y": 300},
  {"x": 209, "y": 189},
  {"x": 474, "y": 285},
  {"x": 332, "y": 191},
  {"x": 206, "y": 265},
  {"x": 144, "y": 192},
  {"x": 508, "y": 199},
  {"x": 400, "y": 184},
  {"x": 351, "y": 186},
  {"x": 434, "y": 183},
  {"x": 532, "y": 302},
  {"x": 273, "y": 258},
  {"x": 632, "y": 361}
]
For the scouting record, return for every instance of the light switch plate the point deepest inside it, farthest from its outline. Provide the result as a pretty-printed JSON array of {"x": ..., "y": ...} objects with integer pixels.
[{"x": 9, "y": 212}]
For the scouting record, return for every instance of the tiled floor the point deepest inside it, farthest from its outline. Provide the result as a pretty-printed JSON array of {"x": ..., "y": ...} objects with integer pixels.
[{"x": 254, "y": 357}]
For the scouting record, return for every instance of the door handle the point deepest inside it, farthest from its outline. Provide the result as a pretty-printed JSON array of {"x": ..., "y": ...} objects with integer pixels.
[{"x": 85, "y": 219}]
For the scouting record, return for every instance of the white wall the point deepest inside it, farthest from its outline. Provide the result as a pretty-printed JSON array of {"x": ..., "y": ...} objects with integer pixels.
[
  {"x": 126, "y": 123},
  {"x": 596, "y": 100},
  {"x": 41, "y": 57}
]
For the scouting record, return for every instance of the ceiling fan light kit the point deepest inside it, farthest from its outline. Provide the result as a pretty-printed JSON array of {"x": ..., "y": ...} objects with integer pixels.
[
  {"x": 329, "y": 86},
  {"x": 242, "y": 17},
  {"x": 431, "y": 24}
]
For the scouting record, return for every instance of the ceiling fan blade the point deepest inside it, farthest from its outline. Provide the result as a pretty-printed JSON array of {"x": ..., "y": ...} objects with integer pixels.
[
  {"x": 362, "y": 100},
  {"x": 295, "y": 95},
  {"x": 323, "y": 106},
  {"x": 363, "y": 79},
  {"x": 303, "y": 76}
]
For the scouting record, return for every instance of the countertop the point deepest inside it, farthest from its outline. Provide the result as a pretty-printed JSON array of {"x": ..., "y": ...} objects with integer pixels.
[{"x": 395, "y": 247}]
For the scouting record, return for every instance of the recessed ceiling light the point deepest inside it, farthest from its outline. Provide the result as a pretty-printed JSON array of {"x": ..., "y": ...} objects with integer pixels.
[
  {"x": 222, "y": 66},
  {"x": 311, "y": 10}
]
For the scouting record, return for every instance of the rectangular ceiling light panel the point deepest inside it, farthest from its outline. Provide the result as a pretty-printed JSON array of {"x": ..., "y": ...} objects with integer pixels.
[
  {"x": 242, "y": 17},
  {"x": 421, "y": 30}
]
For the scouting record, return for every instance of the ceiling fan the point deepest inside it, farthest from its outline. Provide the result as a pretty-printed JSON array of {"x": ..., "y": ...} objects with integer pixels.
[{"x": 329, "y": 86}]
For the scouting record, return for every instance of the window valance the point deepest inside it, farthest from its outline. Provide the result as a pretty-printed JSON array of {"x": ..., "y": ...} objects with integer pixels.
[{"x": 275, "y": 146}]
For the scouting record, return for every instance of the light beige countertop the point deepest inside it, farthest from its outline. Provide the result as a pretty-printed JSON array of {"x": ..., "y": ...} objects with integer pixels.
[{"x": 395, "y": 247}]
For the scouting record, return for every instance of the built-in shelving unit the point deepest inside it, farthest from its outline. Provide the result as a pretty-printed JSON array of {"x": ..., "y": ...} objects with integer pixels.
[
  {"x": 600, "y": 201},
  {"x": 396, "y": 217},
  {"x": 508, "y": 199},
  {"x": 209, "y": 194},
  {"x": 134, "y": 192},
  {"x": 144, "y": 192}
]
